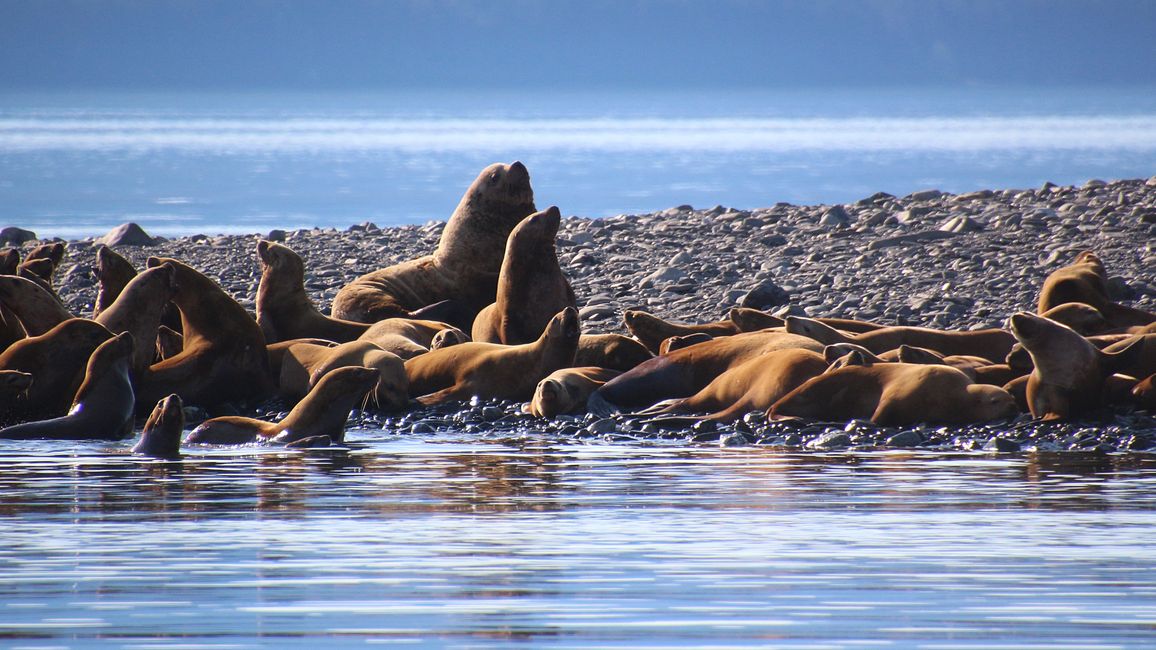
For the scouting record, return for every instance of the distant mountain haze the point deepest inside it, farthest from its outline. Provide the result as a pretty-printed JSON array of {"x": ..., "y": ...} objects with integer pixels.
[{"x": 523, "y": 44}]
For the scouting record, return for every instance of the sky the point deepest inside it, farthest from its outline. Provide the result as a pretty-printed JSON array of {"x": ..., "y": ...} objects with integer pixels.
[{"x": 369, "y": 45}]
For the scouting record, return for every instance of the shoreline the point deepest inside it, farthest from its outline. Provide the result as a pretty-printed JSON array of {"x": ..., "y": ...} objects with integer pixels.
[{"x": 928, "y": 259}]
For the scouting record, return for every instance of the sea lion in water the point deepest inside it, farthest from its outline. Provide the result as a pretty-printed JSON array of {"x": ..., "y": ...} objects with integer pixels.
[
  {"x": 991, "y": 344},
  {"x": 531, "y": 285},
  {"x": 38, "y": 309},
  {"x": 684, "y": 372},
  {"x": 753, "y": 385},
  {"x": 161, "y": 436},
  {"x": 304, "y": 364},
  {"x": 493, "y": 370},
  {"x": 896, "y": 394},
  {"x": 1086, "y": 280},
  {"x": 613, "y": 351},
  {"x": 139, "y": 309},
  {"x": 56, "y": 360},
  {"x": 1069, "y": 373},
  {"x": 652, "y": 330},
  {"x": 224, "y": 356},
  {"x": 103, "y": 406},
  {"x": 464, "y": 267},
  {"x": 566, "y": 390},
  {"x": 284, "y": 310},
  {"x": 323, "y": 412}
]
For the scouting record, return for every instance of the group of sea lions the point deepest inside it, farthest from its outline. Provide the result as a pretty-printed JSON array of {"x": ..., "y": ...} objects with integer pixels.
[{"x": 491, "y": 314}]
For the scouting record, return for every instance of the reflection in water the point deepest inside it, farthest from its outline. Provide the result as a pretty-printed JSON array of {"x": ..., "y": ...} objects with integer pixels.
[{"x": 478, "y": 543}]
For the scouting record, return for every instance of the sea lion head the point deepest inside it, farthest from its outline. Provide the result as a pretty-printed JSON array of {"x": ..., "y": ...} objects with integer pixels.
[
  {"x": 539, "y": 230},
  {"x": 52, "y": 252},
  {"x": 279, "y": 258},
  {"x": 475, "y": 235},
  {"x": 673, "y": 343},
  {"x": 161, "y": 437},
  {"x": 9, "y": 260},
  {"x": 447, "y": 337},
  {"x": 548, "y": 397},
  {"x": 987, "y": 403},
  {"x": 564, "y": 328},
  {"x": 14, "y": 382}
]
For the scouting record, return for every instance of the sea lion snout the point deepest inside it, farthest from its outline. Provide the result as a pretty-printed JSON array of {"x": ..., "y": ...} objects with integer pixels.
[{"x": 1024, "y": 325}]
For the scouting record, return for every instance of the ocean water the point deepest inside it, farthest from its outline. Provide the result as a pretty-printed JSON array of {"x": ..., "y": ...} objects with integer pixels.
[{"x": 77, "y": 165}]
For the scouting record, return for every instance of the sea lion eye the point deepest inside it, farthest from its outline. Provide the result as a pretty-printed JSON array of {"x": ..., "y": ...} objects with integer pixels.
[{"x": 494, "y": 177}]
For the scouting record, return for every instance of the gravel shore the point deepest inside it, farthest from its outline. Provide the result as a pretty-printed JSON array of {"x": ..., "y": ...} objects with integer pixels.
[{"x": 931, "y": 259}]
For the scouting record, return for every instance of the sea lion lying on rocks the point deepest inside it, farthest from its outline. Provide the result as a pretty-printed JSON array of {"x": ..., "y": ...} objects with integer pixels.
[
  {"x": 991, "y": 344},
  {"x": 1085, "y": 280},
  {"x": 304, "y": 364},
  {"x": 566, "y": 390}
]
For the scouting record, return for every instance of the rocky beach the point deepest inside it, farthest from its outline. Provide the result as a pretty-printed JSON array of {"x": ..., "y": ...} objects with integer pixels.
[{"x": 931, "y": 259}]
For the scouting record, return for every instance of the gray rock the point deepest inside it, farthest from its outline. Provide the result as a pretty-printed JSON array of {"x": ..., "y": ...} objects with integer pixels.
[
  {"x": 1002, "y": 445},
  {"x": 899, "y": 240},
  {"x": 833, "y": 440},
  {"x": 276, "y": 235},
  {"x": 925, "y": 195},
  {"x": 127, "y": 234},
  {"x": 905, "y": 439},
  {"x": 835, "y": 216},
  {"x": 13, "y": 236},
  {"x": 733, "y": 440},
  {"x": 765, "y": 295},
  {"x": 605, "y": 425}
]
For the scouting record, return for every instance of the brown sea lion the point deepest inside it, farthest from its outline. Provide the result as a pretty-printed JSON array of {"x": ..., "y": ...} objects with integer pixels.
[
  {"x": 914, "y": 354},
  {"x": 531, "y": 285},
  {"x": 13, "y": 387},
  {"x": 1069, "y": 373},
  {"x": 566, "y": 390},
  {"x": 40, "y": 264},
  {"x": 304, "y": 364},
  {"x": 284, "y": 310},
  {"x": 9, "y": 261},
  {"x": 864, "y": 357},
  {"x": 493, "y": 370},
  {"x": 685, "y": 341},
  {"x": 464, "y": 267},
  {"x": 896, "y": 394},
  {"x": 1083, "y": 318},
  {"x": 224, "y": 356},
  {"x": 409, "y": 337},
  {"x": 11, "y": 329},
  {"x": 38, "y": 309},
  {"x": 1143, "y": 362},
  {"x": 684, "y": 372},
  {"x": 161, "y": 436},
  {"x": 652, "y": 330},
  {"x": 113, "y": 272},
  {"x": 752, "y": 320},
  {"x": 278, "y": 350},
  {"x": 56, "y": 360},
  {"x": 103, "y": 405},
  {"x": 991, "y": 344},
  {"x": 1144, "y": 393},
  {"x": 613, "y": 351},
  {"x": 753, "y": 385},
  {"x": 323, "y": 412},
  {"x": 139, "y": 309},
  {"x": 1086, "y": 280}
]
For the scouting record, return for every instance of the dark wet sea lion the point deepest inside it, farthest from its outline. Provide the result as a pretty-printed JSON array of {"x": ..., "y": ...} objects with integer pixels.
[
  {"x": 566, "y": 390},
  {"x": 56, "y": 360},
  {"x": 161, "y": 436},
  {"x": 103, "y": 405},
  {"x": 493, "y": 370},
  {"x": 464, "y": 267},
  {"x": 323, "y": 412},
  {"x": 284, "y": 310},
  {"x": 531, "y": 285},
  {"x": 613, "y": 351}
]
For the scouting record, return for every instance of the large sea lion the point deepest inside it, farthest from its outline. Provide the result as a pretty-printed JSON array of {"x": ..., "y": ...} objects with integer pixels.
[
  {"x": 40, "y": 264},
  {"x": 56, "y": 360},
  {"x": 652, "y": 330},
  {"x": 161, "y": 436},
  {"x": 38, "y": 309},
  {"x": 684, "y": 372},
  {"x": 991, "y": 344},
  {"x": 323, "y": 412},
  {"x": 464, "y": 267},
  {"x": 566, "y": 390},
  {"x": 752, "y": 320},
  {"x": 277, "y": 351},
  {"x": 1069, "y": 373},
  {"x": 1086, "y": 280},
  {"x": 304, "y": 364},
  {"x": 103, "y": 405},
  {"x": 896, "y": 394},
  {"x": 493, "y": 370},
  {"x": 113, "y": 272},
  {"x": 224, "y": 356},
  {"x": 409, "y": 337},
  {"x": 613, "y": 351},
  {"x": 284, "y": 310},
  {"x": 139, "y": 309},
  {"x": 531, "y": 285}
]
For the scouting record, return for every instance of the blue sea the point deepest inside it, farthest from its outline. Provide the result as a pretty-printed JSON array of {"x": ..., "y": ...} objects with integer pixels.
[{"x": 74, "y": 165}]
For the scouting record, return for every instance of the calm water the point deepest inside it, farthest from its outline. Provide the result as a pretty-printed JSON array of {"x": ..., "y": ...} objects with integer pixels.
[
  {"x": 75, "y": 165},
  {"x": 467, "y": 543}
]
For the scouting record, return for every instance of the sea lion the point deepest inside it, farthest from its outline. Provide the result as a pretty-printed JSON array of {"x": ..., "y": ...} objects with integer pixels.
[
  {"x": 1081, "y": 317},
  {"x": 40, "y": 264},
  {"x": 991, "y": 344},
  {"x": 464, "y": 267},
  {"x": 1069, "y": 373},
  {"x": 284, "y": 310},
  {"x": 566, "y": 390},
  {"x": 103, "y": 405},
  {"x": 224, "y": 356},
  {"x": 685, "y": 341},
  {"x": 9, "y": 261},
  {"x": 753, "y": 385},
  {"x": 613, "y": 351},
  {"x": 38, "y": 309},
  {"x": 323, "y": 412},
  {"x": 493, "y": 370},
  {"x": 409, "y": 337},
  {"x": 652, "y": 330},
  {"x": 684, "y": 372},
  {"x": 113, "y": 272},
  {"x": 896, "y": 394},
  {"x": 13, "y": 386},
  {"x": 11, "y": 329},
  {"x": 1085, "y": 280},
  {"x": 752, "y": 320},
  {"x": 161, "y": 436},
  {"x": 278, "y": 350},
  {"x": 56, "y": 360},
  {"x": 1144, "y": 393},
  {"x": 531, "y": 285},
  {"x": 304, "y": 364},
  {"x": 139, "y": 309}
]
